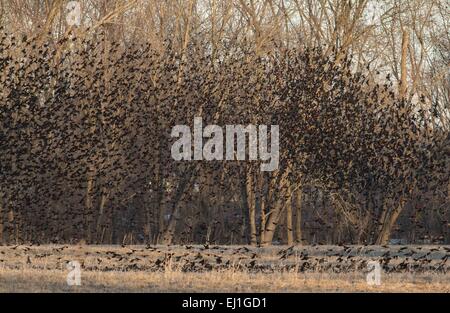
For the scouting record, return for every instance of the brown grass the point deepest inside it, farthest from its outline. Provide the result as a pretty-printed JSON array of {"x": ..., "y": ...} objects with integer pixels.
[
  {"x": 29, "y": 280},
  {"x": 47, "y": 273}
]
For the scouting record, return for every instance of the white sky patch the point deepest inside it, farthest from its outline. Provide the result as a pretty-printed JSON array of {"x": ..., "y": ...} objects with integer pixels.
[{"x": 373, "y": 12}]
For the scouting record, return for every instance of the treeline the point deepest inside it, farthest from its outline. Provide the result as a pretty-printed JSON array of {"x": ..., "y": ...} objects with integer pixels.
[{"x": 85, "y": 143}]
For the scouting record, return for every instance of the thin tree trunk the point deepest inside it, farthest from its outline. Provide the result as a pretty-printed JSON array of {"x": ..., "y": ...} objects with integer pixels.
[
  {"x": 448, "y": 193},
  {"x": 262, "y": 233},
  {"x": 298, "y": 219},
  {"x": 251, "y": 206},
  {"x": 10, "y": 226},
  {"x": 403, "y": 81},
  {"x": 1, "y": 218},
  {"x": 245, "y": 206},
  {"x": 245, "y": 229},
  {"x": 148, "y": 229},
  {"x": 289, "y": 225},
  {"x": 89, "y": 207},
  {"x": 100, "y": 219},
  {"x": 263, "y": 200},
  {"x": 160, "y": 208}
]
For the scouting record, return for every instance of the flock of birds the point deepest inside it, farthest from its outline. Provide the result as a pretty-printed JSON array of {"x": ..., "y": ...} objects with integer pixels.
[
  {"x": 85, "y": 139},
  {"x": 201, "y": 258}
]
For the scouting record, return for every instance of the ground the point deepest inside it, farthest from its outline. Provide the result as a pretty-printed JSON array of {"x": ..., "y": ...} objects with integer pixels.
[{"x": 224, "y": 268}]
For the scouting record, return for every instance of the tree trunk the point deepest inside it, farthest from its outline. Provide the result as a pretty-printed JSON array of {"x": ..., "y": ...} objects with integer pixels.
[
  {"x": 168, "y": 235},
  {"x": 11, "y": 227},
  {"x": 262, "y": 232},
  {"x": 245, "y": 229},
  {"x": 1, "y": 218},
  {"x": 251, "y": 206},
  {"x": 388, "y": 220},
  {"x": 280, "y": 188},
  {"x": 298, "y": 219},
  {"x": 148, "y": 224},
  {"x": 100, "y": 219},
  {"x": 169, "y": 232},
  {"x": 262, "y": 192},
  {"x": 403, "y": 80},
  {"x": 272, "y": 223},
  {"x": 448, "y": 191},
  {"x": 89, "y": 207},
  {"x": 289, "y": 225}
]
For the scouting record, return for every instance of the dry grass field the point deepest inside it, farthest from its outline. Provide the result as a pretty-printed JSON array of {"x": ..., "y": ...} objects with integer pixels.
[{"x": 223, "y": 268}]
